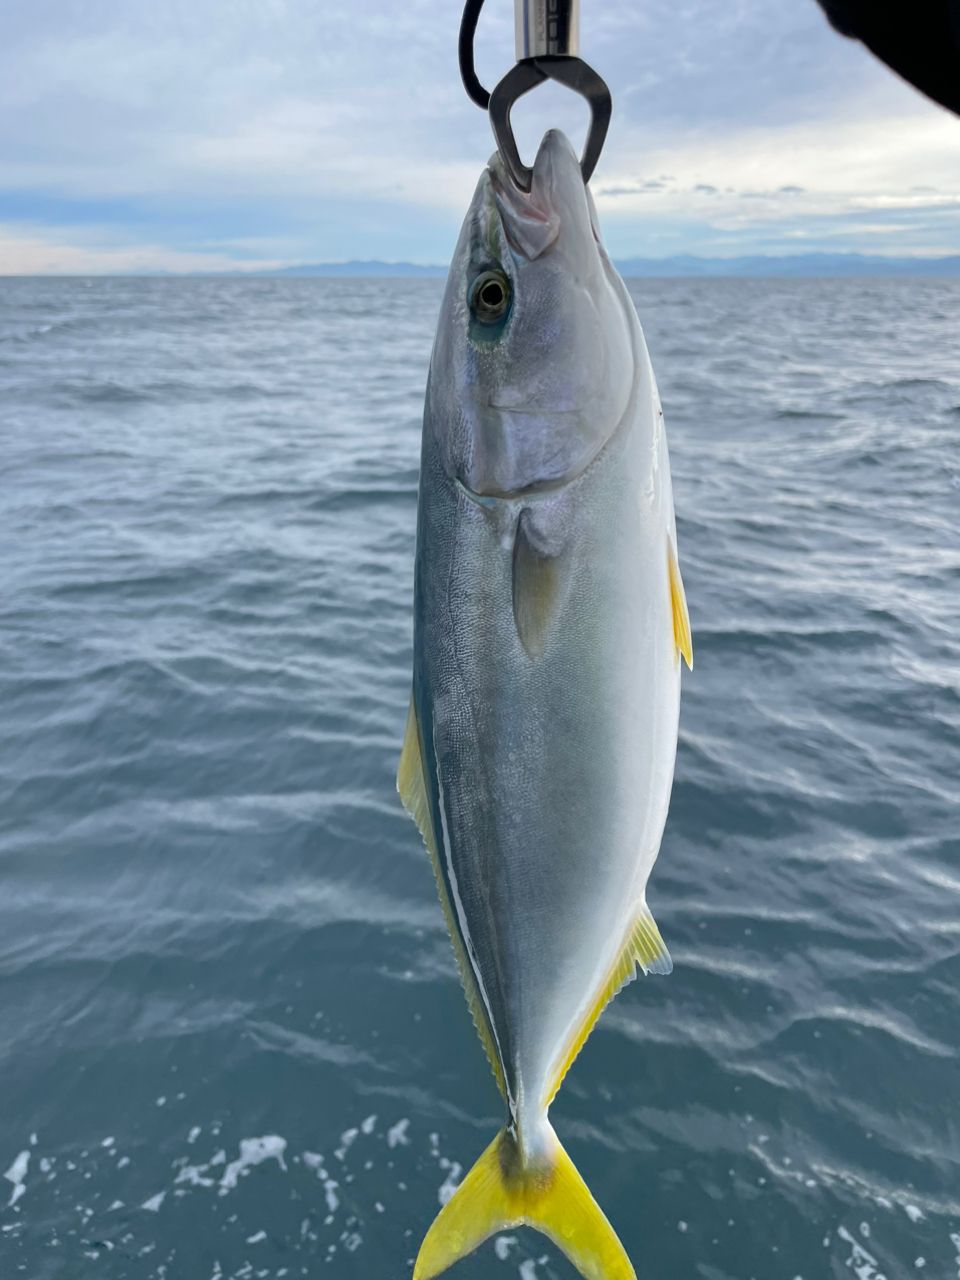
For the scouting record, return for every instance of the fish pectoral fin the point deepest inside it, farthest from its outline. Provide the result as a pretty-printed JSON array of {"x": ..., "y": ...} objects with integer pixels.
[
  {"x": 644, "y": 948},
  {"x": 412, "y": 786},
  {"x": 500, "y": 1193},
  {"x": 678, "y": 607},
  {"x": 537, "y": 590}
]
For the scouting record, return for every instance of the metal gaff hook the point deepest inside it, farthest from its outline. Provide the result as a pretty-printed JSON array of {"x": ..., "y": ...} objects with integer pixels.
[{"x": 548, "y": 42}]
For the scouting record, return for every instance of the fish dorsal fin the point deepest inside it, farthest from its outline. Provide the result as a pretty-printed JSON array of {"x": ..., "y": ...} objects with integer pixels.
[
  {"x": 537, "y": 590},
  {"x": 678, "y": 607},
  {"x": 644, "y": 949},
  {"x": 412, "y": 786}
]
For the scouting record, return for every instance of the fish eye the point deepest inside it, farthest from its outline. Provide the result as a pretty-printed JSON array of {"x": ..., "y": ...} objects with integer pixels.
[{"x": 490, "y": 296}]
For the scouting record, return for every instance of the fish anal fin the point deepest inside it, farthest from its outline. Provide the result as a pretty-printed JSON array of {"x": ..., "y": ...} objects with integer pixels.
[
  {"x": 412, "y": 786},
  {"x": 500, "y": 1193},
  {"x": 678, "y": 607},
  {"x": 644, "y": 948}
]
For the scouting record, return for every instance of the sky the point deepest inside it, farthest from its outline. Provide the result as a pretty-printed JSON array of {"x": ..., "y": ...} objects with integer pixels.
[{"x": 207, "y": 135}]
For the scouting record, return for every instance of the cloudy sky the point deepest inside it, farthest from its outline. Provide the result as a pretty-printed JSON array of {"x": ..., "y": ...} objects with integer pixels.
[{"x": 202, "y": 134}]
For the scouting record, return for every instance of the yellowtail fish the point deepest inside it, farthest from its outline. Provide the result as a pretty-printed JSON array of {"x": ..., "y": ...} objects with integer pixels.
[{"x": 549, "y": 620}]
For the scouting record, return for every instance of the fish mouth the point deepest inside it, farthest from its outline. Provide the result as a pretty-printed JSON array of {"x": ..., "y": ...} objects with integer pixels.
[{"x": 533, "y": 221}]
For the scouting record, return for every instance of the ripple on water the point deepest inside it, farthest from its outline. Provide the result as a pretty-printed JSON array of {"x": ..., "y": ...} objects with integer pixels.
[{"x": 232, "y": 1039}]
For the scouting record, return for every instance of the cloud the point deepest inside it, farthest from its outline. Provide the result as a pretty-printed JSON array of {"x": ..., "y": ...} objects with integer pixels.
[
  {"x": 61, "y": 252},
  {"x": 780, "y": 182},
  {"x": 292, "y": 130},
  {"x": 630, "y": 188}
]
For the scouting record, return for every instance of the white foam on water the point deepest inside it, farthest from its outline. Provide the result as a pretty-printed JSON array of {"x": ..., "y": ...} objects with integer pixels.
[
  {"x": 397, "y": 1134},
  {"x": 194, "y": 1134},
  {"x": 257, "y": 1237},
  {"x": 502, "y": 1246},
  {"x": 914, "y": 1212},
  {"x": 313, "y": 1160},
  {"x": 368, "y": 1125},
  {"x": 863, "y": 1264},
  {"x": 452, "y": 1180},
  {"x": 153, "y": 1204},
  {"x": 253, "y": 1151},
  {"x": 195, "y": 1176},
  {"x": 528, "y": 1270},
  {"x": 347, "y": 1139},
  {"x": 17, "y": 1174}
]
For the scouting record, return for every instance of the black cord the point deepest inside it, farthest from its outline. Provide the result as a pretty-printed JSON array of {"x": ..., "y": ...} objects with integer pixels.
[{"x": 468, "y": 73}]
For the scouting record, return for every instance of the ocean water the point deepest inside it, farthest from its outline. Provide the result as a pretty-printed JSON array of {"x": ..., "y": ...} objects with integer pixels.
[{"x": 232, "y": 1040}]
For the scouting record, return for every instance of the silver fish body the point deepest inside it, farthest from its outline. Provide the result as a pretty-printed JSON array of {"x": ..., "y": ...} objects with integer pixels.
[{"x": 546, "y": 686}]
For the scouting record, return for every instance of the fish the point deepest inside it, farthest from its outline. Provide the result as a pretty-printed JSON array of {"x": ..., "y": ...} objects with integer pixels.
[{"x": 549, "y": 625}]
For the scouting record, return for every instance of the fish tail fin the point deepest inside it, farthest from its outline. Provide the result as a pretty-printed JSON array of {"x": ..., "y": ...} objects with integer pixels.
[{"x": 501, "y": 1191}]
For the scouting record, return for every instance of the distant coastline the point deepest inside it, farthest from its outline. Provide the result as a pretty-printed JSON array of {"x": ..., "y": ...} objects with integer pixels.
[
  {"x": 686, "y": 266},
  {"x": 809, "y": 265}
]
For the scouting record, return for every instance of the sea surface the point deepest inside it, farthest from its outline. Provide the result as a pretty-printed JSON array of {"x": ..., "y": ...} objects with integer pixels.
[{"x": 232, "y": 1039}]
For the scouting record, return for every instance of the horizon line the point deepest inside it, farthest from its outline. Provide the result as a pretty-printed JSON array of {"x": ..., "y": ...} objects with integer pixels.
[{"x": 811, "y": 264}]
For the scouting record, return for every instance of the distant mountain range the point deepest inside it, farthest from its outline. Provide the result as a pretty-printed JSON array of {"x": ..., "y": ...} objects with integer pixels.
[
  {"x": 794, "y": 265},
  {"x": 369, "y": 269}
]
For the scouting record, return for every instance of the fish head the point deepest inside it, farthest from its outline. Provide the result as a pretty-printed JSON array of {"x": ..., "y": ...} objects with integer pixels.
[{"x": 533, "y": 365}]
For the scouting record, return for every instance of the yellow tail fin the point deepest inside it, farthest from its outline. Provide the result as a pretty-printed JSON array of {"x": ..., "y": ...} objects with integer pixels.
[{"x": 500, "y": 1192}]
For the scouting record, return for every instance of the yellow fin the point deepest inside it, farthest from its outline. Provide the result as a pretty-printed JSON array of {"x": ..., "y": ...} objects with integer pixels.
[
  {"x": 499, "y": 1193},
  {"x": 644, "y": 947},
  {"x": 649, "y": 948},
  {"x": 678, "y": 605},
  {"x": 413, "y": 792},
  {"x": 410, "y": 782}
]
